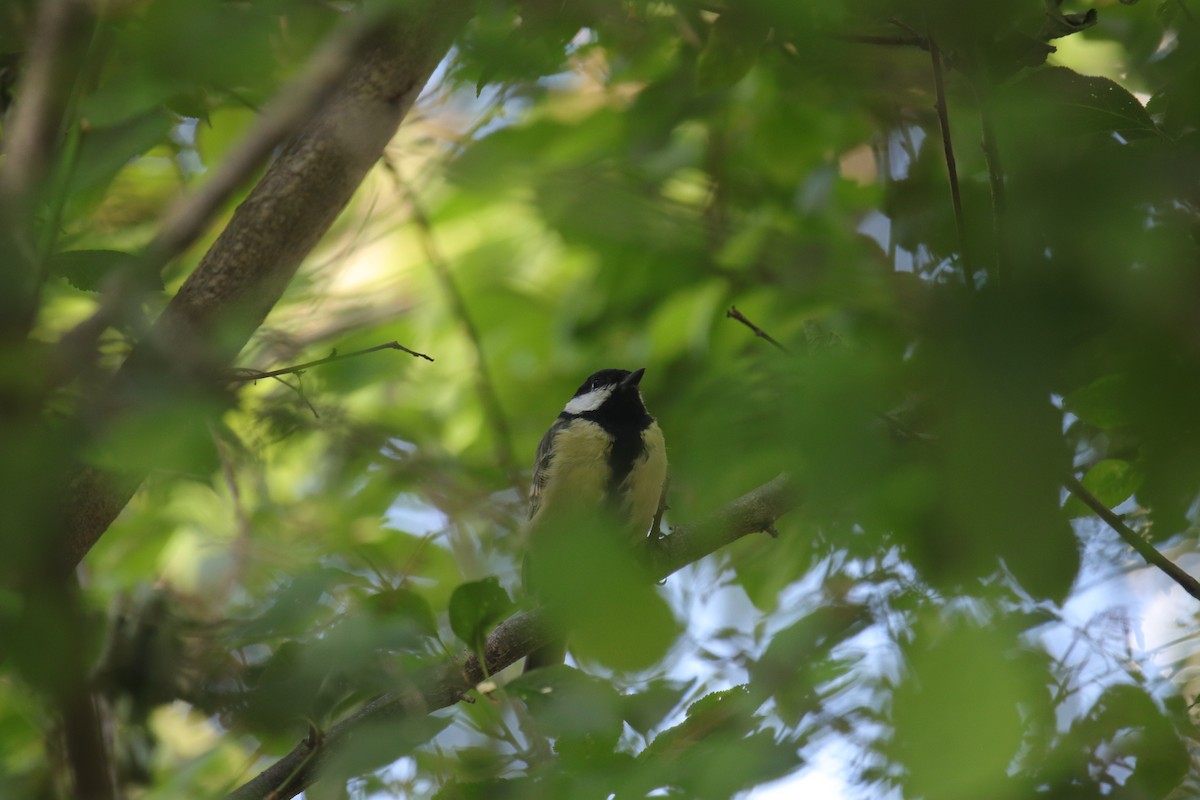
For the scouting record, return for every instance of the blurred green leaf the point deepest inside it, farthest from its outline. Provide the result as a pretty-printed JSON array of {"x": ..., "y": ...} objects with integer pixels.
[
  {"x": 956, "y": 713},
  {"x": 1112, "y": 481},
  {"x": 87, "y": 269},
  {"x": 1102, "y": 403},
  {"x": 733, "y": 43},
  {"x": 476, "y": 607}
]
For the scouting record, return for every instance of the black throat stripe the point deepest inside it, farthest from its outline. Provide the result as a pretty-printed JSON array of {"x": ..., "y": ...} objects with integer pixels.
[{"x": 625, "y": 422}]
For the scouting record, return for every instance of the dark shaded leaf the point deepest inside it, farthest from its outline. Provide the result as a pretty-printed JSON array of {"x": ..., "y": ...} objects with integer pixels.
[{"x": 476, "y": 607}]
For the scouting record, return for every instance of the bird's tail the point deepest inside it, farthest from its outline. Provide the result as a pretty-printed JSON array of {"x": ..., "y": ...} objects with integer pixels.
[{"x": 547, "y": 656}]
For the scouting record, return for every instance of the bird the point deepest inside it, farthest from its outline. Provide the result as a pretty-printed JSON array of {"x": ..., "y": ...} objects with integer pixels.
[{"x": 603, "y": 457}]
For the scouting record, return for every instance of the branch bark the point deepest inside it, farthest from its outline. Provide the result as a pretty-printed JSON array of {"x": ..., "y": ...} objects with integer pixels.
[
  {"x": 244, "y": 273},
  {"x": 188, "y": 217},
  {"x": 1131, "y": 537},
  {"x": 446, "y": 683}
]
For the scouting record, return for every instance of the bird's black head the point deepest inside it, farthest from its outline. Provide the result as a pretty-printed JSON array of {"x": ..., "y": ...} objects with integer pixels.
[{"x": 613, "y": 390}]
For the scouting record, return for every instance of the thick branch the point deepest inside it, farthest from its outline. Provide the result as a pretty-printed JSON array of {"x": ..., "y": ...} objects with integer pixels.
[
  {"x": 238, "y": 281},
  {"x": 445, "y": 684},
  {"x": 190, "y": 215}
]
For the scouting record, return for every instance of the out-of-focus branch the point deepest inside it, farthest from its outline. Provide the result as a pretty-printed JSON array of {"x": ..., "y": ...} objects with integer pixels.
[
  {"x": 943, "y": 114},
  {"x": 56, "y": 48},
  {"x": 190, "y": 215},
  {"x": 31, "y": 134},
  {"x": 244, "y": 273},
  {"x": 485, "y": 386},
  {"x": 446, "y": 683},
  {"x": 87, "y": 751}
]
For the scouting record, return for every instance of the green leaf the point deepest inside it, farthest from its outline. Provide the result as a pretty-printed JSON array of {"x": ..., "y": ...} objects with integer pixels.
[
  {"x": 408, "y": 606},
  {"x": 730, "y": 52},
  {"x": 1127, "y": 719},
  {"x": 1059, "y": 24},
  {"x": 648, "y": 707},
  {"x": 1112, "y": 481},
  {"x": 475, "y": 607},
  {"x": 597, "y": 589},
  {"x": 571, "y": 705},
  {"x": 1076, "y": 105},
  {"x": 1102, "y": 403},
  {"x": 728, "y": 711},
  {"x": 87, "y": 269},
  {"x": 104, "y": 151},
  {"x": 957, "y": 713}
]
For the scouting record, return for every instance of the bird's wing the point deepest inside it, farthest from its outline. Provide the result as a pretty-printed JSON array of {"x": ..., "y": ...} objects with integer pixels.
[{"x": 541, "y": 466}]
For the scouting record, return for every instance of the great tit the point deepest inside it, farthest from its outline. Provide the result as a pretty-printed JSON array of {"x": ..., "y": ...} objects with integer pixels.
[{"x": 604, "y": 457}]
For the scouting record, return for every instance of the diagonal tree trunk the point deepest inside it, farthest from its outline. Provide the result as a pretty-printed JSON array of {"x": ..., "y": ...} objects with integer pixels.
[{"x": 247, "y": 269}]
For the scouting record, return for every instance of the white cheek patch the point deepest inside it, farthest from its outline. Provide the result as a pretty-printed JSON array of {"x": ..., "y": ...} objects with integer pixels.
[{"x": 589, "y": 401}]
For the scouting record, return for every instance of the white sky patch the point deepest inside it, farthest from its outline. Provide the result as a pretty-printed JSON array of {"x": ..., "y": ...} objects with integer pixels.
[{"x": 411, "y": 514}]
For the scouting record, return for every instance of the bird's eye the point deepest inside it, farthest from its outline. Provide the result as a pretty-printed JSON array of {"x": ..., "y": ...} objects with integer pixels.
[{"x": 594, "y": 385}]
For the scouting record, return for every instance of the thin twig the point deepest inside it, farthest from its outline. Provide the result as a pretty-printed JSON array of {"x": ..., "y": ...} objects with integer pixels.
[
  {"x": 1131, "y": 537},
  {"x": 1186, "y": 12},
  {"x": 245, "y": 374},
  {"x": 935, "y": 57},
  {"x": 886, "y": 41},
  {"x": 733, "y": 313},
  {"x": 991, "y": 157},
  {"x": 485, "y": 386}
]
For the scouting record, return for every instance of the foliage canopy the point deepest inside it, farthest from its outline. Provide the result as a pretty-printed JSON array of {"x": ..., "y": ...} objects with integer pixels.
[{"x": 969, "y": 234}]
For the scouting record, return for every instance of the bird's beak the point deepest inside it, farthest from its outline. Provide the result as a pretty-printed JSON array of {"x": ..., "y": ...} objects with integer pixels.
[{"x": 633, "y": 378}]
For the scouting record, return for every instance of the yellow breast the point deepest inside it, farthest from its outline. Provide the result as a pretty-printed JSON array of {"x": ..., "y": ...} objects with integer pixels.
[{"x": 577, "y": 480}]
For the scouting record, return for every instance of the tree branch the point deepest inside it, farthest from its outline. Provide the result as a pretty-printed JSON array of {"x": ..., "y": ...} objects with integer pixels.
[
  {"x": 190, "y": 215},
  {"x": 935, "y": 57},
  {"x": 1131, "y": 537},
  {"x": 991, "y": 157},
  {"x": 910, "y": 40},
  {"x": 244, "y": 375},
  {"x": 244, "y": 273},
  {"x": 485, "y": 386},
  {"x": 445, "y": 684},
  {"x": 55, "y": 52},
  {"x": 733, "y": 313}
]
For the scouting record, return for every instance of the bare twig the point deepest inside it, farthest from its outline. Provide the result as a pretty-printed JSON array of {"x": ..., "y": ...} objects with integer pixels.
[
  {"x": 485, "y": 386},
  {"x": 444, "y": 684},
  {"x": 1131, "y": 537},
  {"x": 733, "y": 313},
  {"x": 886, "y": 41},
  {"x": 243, "y": 374},
  {"x": 991, "y": 156},
  {"x": 935, "y": 57}
]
